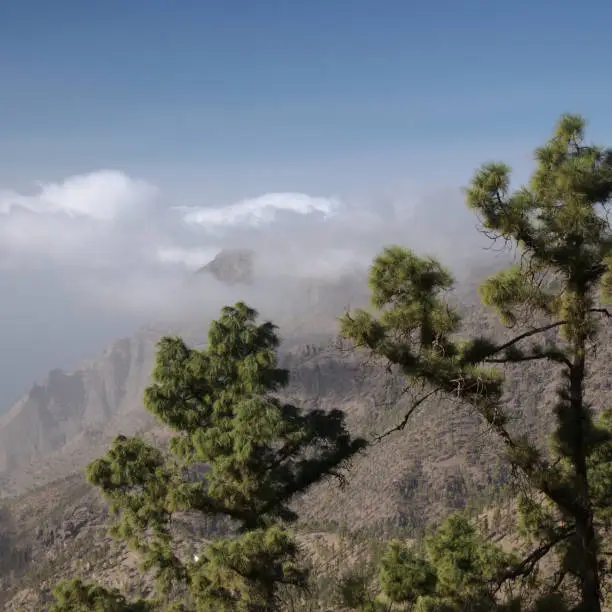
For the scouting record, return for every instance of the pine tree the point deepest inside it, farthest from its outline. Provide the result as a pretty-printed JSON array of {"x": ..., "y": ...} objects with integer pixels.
[
  {"x": 77, "y": 596},
  {"x": 550, "y": 297},
  {"x": 404, "y": 575},
  {"x": 456, "y": 571},
  {"x": 239, "y": 453}
]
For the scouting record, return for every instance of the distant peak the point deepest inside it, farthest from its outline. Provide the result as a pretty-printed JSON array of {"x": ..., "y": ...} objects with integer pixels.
[{"x": 231, "y": 266}]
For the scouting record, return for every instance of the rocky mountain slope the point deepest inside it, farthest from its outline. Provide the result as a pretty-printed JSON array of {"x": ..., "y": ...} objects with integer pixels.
[
  {"x": 235, "y": 266},
  {"x": 68, "y": 417},
  {"x": 66, "y": 409},
  {"x": 440, "y": 461}
]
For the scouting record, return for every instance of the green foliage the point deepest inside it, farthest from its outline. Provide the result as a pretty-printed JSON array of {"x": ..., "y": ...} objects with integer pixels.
[
  {"x": 558, "y": 223},
  {"x": 356, "y": 590},
  {"x": 239, "y": 452},
  {"x": 459, "y": 568},
  {"x": 135, "y": 478},
  {"x": 77, "y": 596},
  {"x": 465, "y": 563},
  {"x": 434, "y": 604},
  {"x": 243, "y": 573},
  {"x": 600, "y": 474},
  {"x": 404, "y": 576}
]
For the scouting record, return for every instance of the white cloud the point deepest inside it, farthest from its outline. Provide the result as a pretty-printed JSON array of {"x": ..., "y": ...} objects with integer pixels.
[
  {"x": 112, "y": 238},
  {"x": 81, "y": 222},
  {"x": 102, "y": 195},
  {"x": 85, "y": 259},
  {"x": 261, "y": 211}
]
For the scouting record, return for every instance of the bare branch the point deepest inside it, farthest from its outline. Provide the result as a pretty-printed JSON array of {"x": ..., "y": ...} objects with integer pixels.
[
  {"x": 603, "y": 311},
  {"x": 525, "y": 567},
  {"x": 550, "y": 356},
  {"x": 559, "y": 579},
  {"x": 527, "y": 334},
  {"x": 407, "y": 416}
]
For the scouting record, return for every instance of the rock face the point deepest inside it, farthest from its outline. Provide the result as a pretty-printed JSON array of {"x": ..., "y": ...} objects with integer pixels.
[
  {"x": 442, "y": 458},
  {"x": 65, "y": 405},
  {"x": 68, "y": 417},
  {"x": 232, "y": 266}
]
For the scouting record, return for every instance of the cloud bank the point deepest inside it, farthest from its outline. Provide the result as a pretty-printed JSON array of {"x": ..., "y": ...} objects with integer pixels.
[
  {"x": 115, "y": 242},
  {"x": 92, "y": 257}
]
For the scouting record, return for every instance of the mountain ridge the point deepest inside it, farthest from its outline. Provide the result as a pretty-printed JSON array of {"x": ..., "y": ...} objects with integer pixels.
[
  {"x": 440, "y": 462},
  {"x": 103, "y": 395}
]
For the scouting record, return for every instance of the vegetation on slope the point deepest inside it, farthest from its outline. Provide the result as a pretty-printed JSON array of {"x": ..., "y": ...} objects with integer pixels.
[
  {"x": 558, "y": 224},
  {"x": 242, "y": 454},
  {"x": 239, "y": 453}
]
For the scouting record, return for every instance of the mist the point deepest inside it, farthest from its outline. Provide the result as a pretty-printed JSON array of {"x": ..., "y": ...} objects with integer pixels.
[{"x": 96, "y": 256}]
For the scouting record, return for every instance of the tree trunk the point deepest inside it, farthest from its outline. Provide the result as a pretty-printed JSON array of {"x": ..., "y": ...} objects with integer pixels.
[
  {"x": 585, "y": 532},
  {"x": 589, "y": 578}
]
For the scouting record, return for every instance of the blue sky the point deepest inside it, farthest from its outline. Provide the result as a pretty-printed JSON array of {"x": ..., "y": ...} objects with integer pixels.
[
  {"x": 382, "y": 104},
  {"x": 291, "y": 91}
]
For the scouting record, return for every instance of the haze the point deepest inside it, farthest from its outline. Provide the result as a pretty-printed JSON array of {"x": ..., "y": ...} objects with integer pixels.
[{"x": 140, "y": 139}]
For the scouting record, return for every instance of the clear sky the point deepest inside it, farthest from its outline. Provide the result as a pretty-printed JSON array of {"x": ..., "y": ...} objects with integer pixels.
[
  {"x": 301, "y": 89},
  {"x": 350, "y": 109}
]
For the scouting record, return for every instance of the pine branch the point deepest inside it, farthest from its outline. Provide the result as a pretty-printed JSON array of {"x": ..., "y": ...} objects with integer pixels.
[
  {"x": 527, "y": 334},
  {"x": 408, "y": 414},
  {"x": 539, "y": 472},
  {"x": 560, "y": 578},
  {"x": 527, "y": 565},
  {"x": 550, "y": 356}
]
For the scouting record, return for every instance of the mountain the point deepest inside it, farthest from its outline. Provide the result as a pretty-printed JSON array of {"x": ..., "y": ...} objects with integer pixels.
[
  {"x": 232, "y": 266},
  {"x": 441, "y": 461},
  {"x": 68, "y": 417},
  {"x": 68, "y": 406}
]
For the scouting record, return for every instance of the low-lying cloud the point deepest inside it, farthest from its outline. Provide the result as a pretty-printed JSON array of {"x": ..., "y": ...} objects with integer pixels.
[
  {"x": 114, "y": 240},
  {"x": 92, "y": 257},
  {"x": 261, "y": 211}
]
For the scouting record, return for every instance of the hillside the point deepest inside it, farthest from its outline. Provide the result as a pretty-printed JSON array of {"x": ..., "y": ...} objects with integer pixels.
[
  {"x": 68, "y": 411},
  {"x": 67, "y": 417},
  {"x": 441, "y": 461}
]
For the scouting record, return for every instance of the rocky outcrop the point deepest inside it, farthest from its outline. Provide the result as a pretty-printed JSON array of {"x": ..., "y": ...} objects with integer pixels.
[
  {"x": 232, "y": 266},
  {"x": 64, "y": 405},
  {"x": 67, "y": 417}
]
